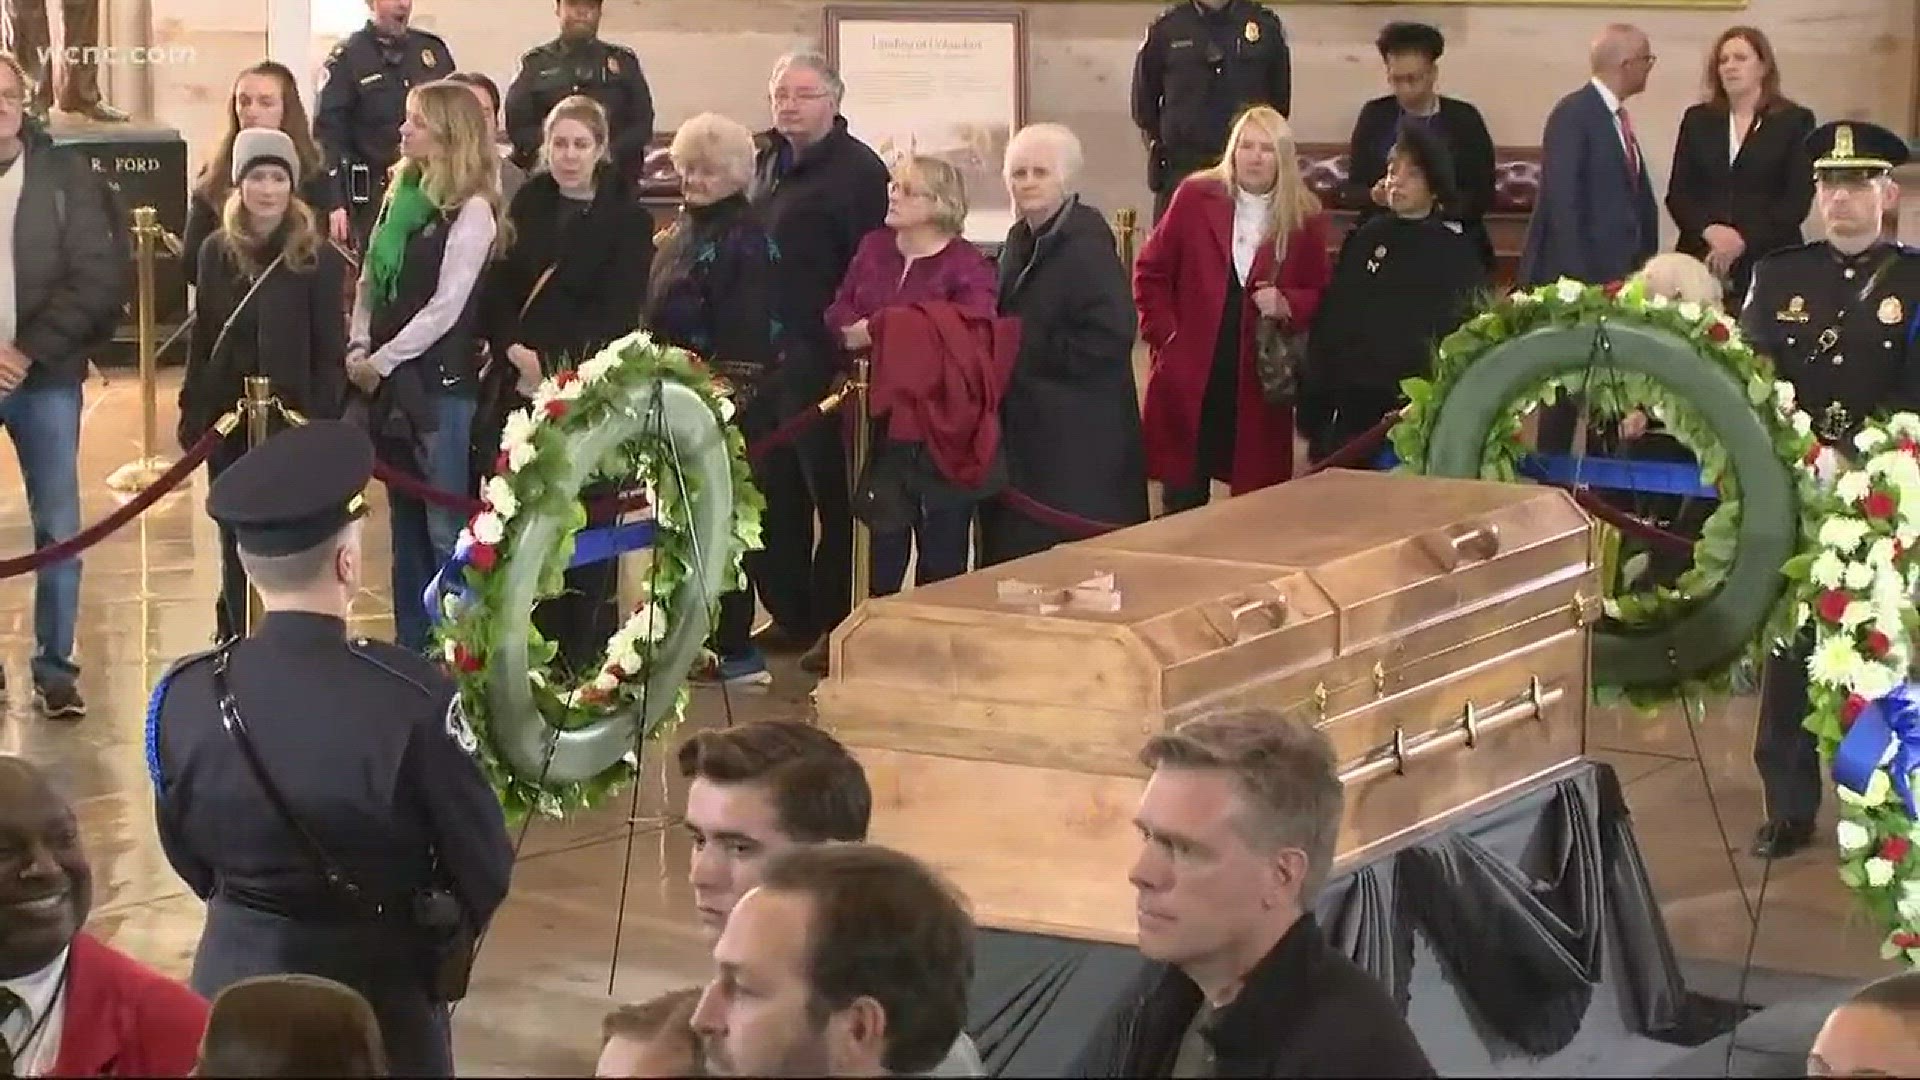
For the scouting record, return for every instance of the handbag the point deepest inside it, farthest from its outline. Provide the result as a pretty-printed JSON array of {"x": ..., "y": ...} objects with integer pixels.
[
  {"x": 434, "y": 910},
  {"x": 1279, "y": 355}
]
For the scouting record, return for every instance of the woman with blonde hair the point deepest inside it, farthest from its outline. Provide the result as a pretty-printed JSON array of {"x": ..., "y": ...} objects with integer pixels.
[
  {"x": 416, "y": 321},
  {"x": 1246, "y": 241},
  {"x": 267, "y": 303},
  {"x": 265, "y": 95},
  {"x": 573, "y": 282},
  {"x": 918, "y": 255}
]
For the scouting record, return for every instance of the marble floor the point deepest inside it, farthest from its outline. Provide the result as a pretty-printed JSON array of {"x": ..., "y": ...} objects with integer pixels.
[{"x": 600, "y": 911}]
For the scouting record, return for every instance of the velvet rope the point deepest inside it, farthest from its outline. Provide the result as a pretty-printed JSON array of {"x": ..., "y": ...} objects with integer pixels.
[{"x": 107, "y": 526}]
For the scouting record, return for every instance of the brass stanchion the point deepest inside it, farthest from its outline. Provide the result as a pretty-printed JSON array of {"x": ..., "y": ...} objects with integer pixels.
[
  {"x": 148, "y": 235},
  {"x": 862, "y": 432},
  {"x": 1126, "y": 224},
  {"x": 259, "y": 404}
]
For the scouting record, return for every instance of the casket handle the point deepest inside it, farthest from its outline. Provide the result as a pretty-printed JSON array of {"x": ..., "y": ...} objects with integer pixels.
[
  {"x": 1226, "y": 617},
  {"x": 1453, "y": 550}
]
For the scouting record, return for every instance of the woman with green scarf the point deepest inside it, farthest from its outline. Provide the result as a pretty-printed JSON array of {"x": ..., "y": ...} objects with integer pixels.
[{"x": 415, "y": 327}]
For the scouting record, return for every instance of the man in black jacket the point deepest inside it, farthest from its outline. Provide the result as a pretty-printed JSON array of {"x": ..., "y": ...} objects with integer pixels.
[
  {"x": 819, "y": 190},
  {"x": 1239, "y": 821},
  {"x": 67, "y": 278}
]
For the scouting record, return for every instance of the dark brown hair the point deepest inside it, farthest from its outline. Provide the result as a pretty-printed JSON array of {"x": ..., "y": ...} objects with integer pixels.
[
  {"x": 216, "y": 179},
  {"x": 291, "y": 1025},
  {"x": 819, "y": 791},
  {"x": 1286, "y": 770},
  {"x": 668, "y": 1016},
  {"x": 883, "y": 926},
  {"x": 1771, "y": 99}
]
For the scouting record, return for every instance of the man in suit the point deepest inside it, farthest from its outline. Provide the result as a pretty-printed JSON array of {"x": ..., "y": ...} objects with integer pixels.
[
  {"x": 1596, "y": 219},
  {"x": 71, "y": 1005},
  {"x": 1839, "y": 318}
]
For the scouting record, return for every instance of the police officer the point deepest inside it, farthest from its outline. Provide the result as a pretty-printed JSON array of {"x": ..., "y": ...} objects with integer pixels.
[
  {"x": 363, "y": 100},
  {"x": 318, "y": 791},
  {"x": 1202, "y": 64},
  {"x": 1838, "y": 317},
  {"x": 578, "y": 62}
]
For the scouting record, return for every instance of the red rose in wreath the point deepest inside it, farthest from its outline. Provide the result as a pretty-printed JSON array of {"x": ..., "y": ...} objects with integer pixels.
[
  {"x": 1833, "y": 604},
  {"x": 1878, "y": 505}
]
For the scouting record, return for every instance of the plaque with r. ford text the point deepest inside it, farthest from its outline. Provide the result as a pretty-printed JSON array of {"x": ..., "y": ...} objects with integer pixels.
[{"x": 147, "y": 166}]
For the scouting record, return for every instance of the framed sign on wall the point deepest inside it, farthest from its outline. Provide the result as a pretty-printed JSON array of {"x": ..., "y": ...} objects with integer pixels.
[{"x": 949, "y": 83}]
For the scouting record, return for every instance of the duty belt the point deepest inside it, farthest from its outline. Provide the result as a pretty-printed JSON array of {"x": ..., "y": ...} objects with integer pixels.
[{"x": 319, "y": 906}]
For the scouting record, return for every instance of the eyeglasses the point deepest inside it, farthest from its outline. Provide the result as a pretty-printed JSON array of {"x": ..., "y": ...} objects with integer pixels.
[{"x": 783, "y": 97}]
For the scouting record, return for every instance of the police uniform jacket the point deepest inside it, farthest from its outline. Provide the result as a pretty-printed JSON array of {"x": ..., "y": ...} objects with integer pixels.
[
  {"x": 363, "y": 99},
  {"x": 608, "y": 73},
  {"x": 363, "y": 742},
  {"x": 1842, "y": 329},
  {"x": 1197, "y": 70}
]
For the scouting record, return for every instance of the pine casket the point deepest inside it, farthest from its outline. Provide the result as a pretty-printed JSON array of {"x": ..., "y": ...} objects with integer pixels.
[{"x": 1436, "y": 630}]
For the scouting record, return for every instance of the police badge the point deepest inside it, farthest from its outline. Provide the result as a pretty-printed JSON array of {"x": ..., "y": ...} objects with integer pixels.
[
  {"x": 426, "y": 57},
  {"x": 1253, "y": 31},
  {"x": 459, "y": 730},
  {"x": 1890, "y": 312}
]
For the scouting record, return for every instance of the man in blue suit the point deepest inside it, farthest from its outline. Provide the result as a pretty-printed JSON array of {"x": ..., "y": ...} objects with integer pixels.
[{"x": 1596, "y": 219}]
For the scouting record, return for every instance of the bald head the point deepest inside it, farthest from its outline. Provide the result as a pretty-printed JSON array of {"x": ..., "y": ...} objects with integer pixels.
[
  {"x": 1622, "y": 57},
  {"x": 1875, "y": 1033},
  {"x": 46, "y": 886}
]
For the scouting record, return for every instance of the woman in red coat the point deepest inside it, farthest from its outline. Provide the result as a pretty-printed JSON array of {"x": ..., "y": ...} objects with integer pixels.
[{"x": 1243, "y": 240}]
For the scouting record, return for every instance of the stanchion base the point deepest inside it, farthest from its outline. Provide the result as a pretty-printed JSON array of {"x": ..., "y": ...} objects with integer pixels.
[{"x": 136, "y": 476}]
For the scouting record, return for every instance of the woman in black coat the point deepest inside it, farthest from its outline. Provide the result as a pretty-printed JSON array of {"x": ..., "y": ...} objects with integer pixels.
[
  {"x": 1742, "y": 178},
  {"x": 1405, "y": 279},
  {"x": 1070, "y": 421},
  {"x": 572, "y": 283},
  {"x": 713, "y": 294},
  {"x": 264, "y": 96},
  {"x": 268, "y": 303}
]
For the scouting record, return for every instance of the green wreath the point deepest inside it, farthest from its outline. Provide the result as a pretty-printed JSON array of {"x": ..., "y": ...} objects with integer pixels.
[
  {"x": 637, "y": 412},
  {"x": 1689, "y": 368}
]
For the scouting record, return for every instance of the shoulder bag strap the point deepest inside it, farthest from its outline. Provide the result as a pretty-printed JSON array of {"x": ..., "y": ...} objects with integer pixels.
[
  {"x": 538, "y": 284},
  {"x": 227, "y": 327},
  {"x": 237, "y": 728}
]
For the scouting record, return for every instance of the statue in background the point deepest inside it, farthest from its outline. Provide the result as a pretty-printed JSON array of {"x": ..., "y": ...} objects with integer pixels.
[{"x": 29, "y": 36}]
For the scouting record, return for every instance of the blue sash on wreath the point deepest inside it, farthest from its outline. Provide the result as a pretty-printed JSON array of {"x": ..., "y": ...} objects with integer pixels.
[
  {"x": 590, "y": 546},
  {"x": 1887, "y": 732}
]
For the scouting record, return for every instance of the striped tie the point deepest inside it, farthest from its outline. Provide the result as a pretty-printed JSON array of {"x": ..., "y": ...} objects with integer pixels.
[
  {"x": 10, "y": 1005},
  {"x": 1633, "y": 144}
]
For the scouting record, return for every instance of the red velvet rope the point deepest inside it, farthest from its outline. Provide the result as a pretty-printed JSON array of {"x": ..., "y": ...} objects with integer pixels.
[{"x": 105, "y": 527}]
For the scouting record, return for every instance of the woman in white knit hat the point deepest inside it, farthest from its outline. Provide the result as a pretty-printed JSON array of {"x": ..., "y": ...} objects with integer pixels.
[{"x": 268, "y": 303}]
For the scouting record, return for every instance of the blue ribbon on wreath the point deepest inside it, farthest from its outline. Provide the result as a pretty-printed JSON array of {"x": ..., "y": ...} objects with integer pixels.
[
  {"x": 1887, "y": 732},
  {"x": 590, "y": 546}
]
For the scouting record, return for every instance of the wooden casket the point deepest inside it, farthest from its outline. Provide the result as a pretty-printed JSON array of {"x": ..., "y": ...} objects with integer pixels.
[{"x": 1436, "y": 630}]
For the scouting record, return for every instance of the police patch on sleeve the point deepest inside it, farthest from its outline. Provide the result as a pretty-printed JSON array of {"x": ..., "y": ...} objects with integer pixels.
[{"x": 459, "y": 730}]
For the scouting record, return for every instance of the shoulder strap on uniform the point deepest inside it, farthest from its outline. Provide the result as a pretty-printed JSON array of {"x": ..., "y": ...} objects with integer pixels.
[
  {"x": 363, "y": 648},
  {"x": 158, "y": 701}
]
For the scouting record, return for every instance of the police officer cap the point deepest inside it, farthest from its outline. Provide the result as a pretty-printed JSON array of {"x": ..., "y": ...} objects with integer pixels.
[
  {"x": 1854, "y": 146},
  {"x": 297, "y": 489}
]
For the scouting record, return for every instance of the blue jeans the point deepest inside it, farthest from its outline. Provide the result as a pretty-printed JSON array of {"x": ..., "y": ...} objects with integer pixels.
[
  {"x": 424, "y": 536},
  {"x": 44, "y": 424}
]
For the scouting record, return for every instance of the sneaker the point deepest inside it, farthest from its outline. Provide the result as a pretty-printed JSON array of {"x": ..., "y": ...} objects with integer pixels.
[
  {"x": 59, "y": 701},
  {"x": 747, "y": 669}
]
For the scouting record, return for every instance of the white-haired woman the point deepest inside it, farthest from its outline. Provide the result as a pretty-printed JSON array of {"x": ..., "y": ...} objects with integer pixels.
[
  {"x": 1244, "y": 240},
  {"x": 1070, "y": 421},
  {"x": 712, "y": 293}
]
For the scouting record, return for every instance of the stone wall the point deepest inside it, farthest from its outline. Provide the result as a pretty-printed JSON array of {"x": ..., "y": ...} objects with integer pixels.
[{"x": 1852, "y": 58}]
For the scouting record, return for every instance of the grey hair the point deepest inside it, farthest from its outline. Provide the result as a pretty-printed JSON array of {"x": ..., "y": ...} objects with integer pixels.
[
  {"x": 712, "y": 139},
  {"x": 816, "y": 63},
  {"x": 1057, "y": 139},
  {"x": 1288, "y": 776}
]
